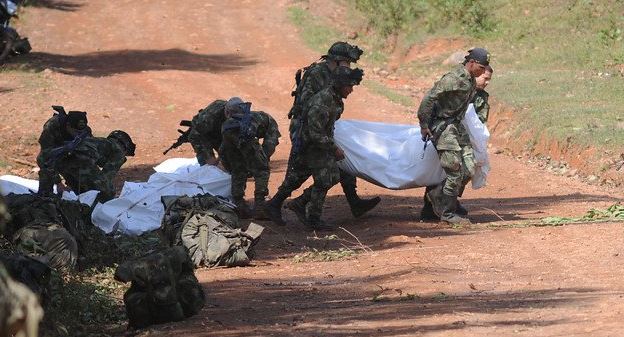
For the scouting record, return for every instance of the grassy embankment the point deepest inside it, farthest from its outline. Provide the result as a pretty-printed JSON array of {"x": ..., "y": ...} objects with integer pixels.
[{"x": 559, "y": 64}]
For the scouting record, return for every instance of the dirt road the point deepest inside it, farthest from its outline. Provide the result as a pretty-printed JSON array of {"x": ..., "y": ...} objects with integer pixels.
[{"x": 142, "y": 65}]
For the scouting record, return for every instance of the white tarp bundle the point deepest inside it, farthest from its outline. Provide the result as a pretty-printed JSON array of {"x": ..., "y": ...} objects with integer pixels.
[
  {"x": 391, "y": 155},
  {"x": 138, "y": 208},
  {"x": 19, "y": 185}
]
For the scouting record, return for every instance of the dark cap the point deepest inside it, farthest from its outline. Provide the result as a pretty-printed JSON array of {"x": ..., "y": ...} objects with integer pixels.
[
  {"x": 480, "y": 56},
  {"x": 344, "y": 76},
  {"x": 77, "y": 119}
]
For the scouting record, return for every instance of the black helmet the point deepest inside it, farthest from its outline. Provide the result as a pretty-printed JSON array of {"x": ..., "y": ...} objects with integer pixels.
[
  {"x": 125, "y": 140},
  {"x": 344, "y": 76},
  {"x": 342, "y": 51}
]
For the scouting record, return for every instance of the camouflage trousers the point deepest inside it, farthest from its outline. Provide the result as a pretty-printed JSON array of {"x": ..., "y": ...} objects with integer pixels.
[
  {"x": 459, "y": 167},
  {"x": 248, "y": 157},
  {"x": 323, "y": 169},
  {"x": 47, "y": 176}
]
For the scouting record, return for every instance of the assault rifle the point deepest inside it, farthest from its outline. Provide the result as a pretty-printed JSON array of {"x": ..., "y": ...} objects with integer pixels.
[
  {"x": 58, "y": 152},
  {"x": 184, "y": 136}
]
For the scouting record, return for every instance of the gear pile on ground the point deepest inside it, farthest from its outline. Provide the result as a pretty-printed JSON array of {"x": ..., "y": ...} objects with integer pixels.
[{"x": 208, "y": 228}]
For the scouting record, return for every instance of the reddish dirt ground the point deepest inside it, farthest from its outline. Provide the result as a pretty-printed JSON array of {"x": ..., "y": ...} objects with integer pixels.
[{"x": 142, "y": 65}]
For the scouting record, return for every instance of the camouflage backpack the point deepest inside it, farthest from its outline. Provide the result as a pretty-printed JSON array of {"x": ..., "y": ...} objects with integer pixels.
[
  {"x": 207, "y": 227},
  {"x": 163, "y": 289}
]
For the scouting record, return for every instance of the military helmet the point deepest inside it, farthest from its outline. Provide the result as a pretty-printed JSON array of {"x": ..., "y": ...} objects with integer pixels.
[
  {"x": 125, "y": 140},
  {"x": 77, "y": 119},
  {"x": 344, "y": 76},
  {"x": 342, "y": 51}
]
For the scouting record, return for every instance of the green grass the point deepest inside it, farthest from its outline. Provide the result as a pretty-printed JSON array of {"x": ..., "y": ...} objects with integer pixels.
[
  {"x": 316, "y": 255},
  {"x": 316, "y": 33},
  {"x": 388, "y": 93},
  {"x": 559, "y": 63}
]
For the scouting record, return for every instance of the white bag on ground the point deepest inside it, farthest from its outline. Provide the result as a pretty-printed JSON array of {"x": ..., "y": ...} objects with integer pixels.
[
  {"x": 139, "y": 209},
  {"x": 391, "y": 155},
  {"x": 19, "y": 185}
]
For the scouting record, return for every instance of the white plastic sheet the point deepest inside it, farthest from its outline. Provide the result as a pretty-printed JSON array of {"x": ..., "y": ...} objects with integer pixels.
[
  {"x": 19, "y": 185},
  {"x": 138, "y": 208},
  {"x": 391, "y": 155}
]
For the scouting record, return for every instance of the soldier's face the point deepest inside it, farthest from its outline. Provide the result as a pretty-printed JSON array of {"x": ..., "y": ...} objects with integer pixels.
[
  {"x": 345, "y": 64},
  {"x": 483, "y": 80},
  {"x": 346, "y": 91},
  {"x": 475, "y": 68}
]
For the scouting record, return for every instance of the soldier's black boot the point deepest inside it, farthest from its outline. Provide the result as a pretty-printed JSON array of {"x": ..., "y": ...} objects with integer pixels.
[
  {"x": 297, "y": 205},
  {"x": 448, "y": 205},
  {"x": 273, "y": 208},
  {"x": 316, "y": 224},
  {"x": 460, "y": 210},
  {"x": 360, "y": 206},
  {"x": 244, "y": 212},
  {"x": 427, "y": 213},
  {"x": 259, "y": 212}
]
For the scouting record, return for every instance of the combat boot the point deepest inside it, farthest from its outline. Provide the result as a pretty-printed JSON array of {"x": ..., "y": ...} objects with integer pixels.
[
  {"x": 244, "y": 212},
  {"x": 316, "y": 224},
  {"x": 460, "y": 210},
  {"x": 259, "y": 212},
  {"x": 273, "y": 208},
  {"x": 449, "y": 213},
  {"x": 360, "y": 206},
  {"x": 427, "y": 213},
  {"x": 297, "y": 205}
]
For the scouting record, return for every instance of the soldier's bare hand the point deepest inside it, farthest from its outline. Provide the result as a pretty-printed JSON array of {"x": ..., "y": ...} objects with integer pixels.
[
  {"x": 339, "y": 154},
  {"x": 425, "y": 133}
]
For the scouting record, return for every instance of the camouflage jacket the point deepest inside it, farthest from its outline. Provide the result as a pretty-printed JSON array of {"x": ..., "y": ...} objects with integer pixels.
[
  {"x": 268, "y": 131},
  {"x": 54, "y": 135},
  {"x": 206, "y": 127},
  {"x": 481, "y": 105},
  {"x": 315, "y": 78},
  {"x": 321, "y": 112},
  {"x": 105, "y": 153},
  {"x": 444, "y": 106}
]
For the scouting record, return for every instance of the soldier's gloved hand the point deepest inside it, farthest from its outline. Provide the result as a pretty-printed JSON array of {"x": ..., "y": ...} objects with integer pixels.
[
  {"x": 339, "y": 154},
  {"x": 425, "y": 133},
  {"x": 60, "y": 188}
]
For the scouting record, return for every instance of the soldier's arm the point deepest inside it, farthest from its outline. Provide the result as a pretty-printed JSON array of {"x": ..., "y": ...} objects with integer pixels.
[
  {"x": 115, "y": 159},
  {"x": 317, "y": 119},
  {"x": 425, "y": 110},
  {"x": 482, "y": 107},
  {"x": 271, "y": 138}
]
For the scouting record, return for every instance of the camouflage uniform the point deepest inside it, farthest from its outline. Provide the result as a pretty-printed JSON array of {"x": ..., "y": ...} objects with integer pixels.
[
  {"x": 441, "y": 111},
  {"x": 316, "y": 77},
  {"x": 205, "y": 134},
  {"x": 54, "y": 135},
  {"x": 317, "y": 157},
  {"x": 245, "y": 154},
  {"x": 93, "y": 165}
]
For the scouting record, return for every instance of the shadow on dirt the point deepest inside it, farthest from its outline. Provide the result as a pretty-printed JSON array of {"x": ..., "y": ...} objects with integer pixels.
[
  {"x": 108, "y": 63},
  {"x": 66, "y": 6},
  {"x": 356, "y": 306}
]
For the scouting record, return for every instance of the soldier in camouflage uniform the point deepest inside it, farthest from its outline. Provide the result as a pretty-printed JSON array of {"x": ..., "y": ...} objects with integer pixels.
[
  {"x": 59, "y": 129},
  {"x": 318, "y": 153},
  {"x": 205, "y": 133},
  {"x": 482, "y": 108},
  {"x": 94, "y": 163},
  {"x": 242, "y": 151},
  {"x": 440, "y": 114},
  {"x": 315, "y": 78}
]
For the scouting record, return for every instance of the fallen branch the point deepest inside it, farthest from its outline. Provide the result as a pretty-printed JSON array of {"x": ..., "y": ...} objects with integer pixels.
[
  {"x": 362, "y": 246},
  {"x": 22, "y": 161}
]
